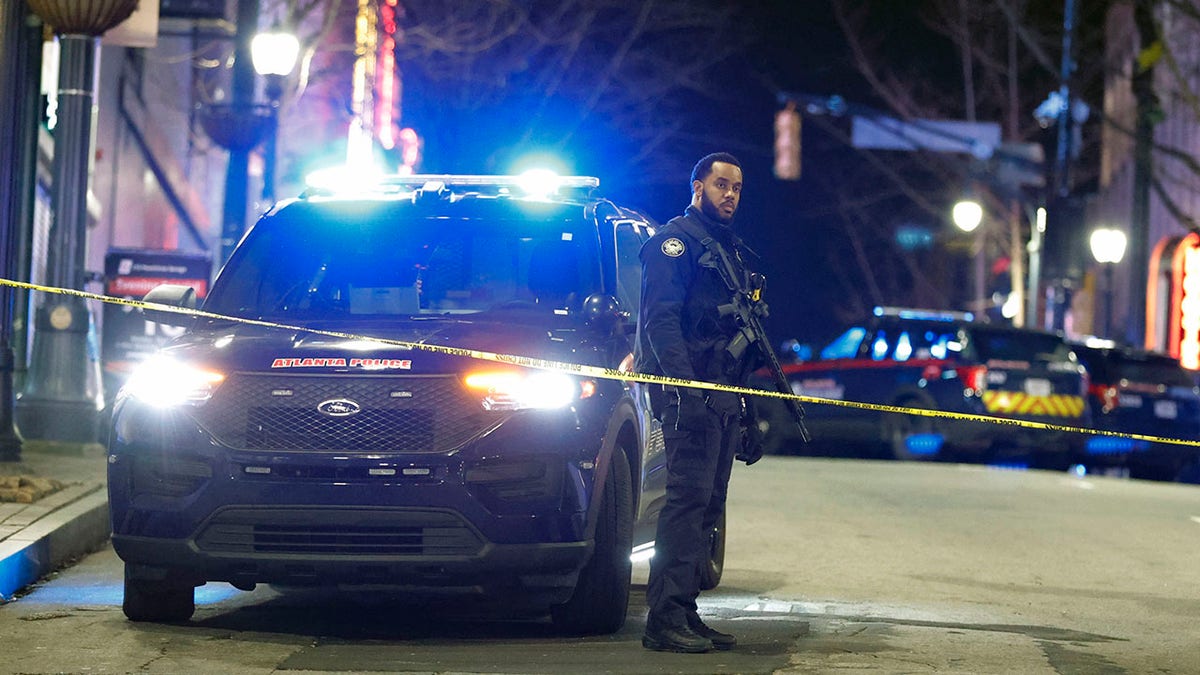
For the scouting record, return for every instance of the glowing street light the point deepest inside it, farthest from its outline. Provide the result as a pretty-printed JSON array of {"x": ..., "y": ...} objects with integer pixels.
[
  {"x": 967, "y": 215},
  {"x": 1108, "y": 245},
  {"x": 274, "y": 52},
  {"x": 1108, "y": 248}
]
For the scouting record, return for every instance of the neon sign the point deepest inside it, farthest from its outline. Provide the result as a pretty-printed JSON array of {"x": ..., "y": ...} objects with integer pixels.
[
  {"x": 387, "y": 87},
  {"x": 1184, "y": 320}
]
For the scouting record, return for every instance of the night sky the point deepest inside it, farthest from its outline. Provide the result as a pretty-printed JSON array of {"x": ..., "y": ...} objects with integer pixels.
[{"x": 471, "y": 119}]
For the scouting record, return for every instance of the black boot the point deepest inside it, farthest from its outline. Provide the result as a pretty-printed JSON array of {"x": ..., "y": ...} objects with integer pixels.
[
  {"x": 721, "y": 641},
  {"x": 674, "y": 639}
]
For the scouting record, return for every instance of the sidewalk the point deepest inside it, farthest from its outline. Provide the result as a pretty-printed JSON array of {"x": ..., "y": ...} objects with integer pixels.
[{"x": 39, "y": 537}]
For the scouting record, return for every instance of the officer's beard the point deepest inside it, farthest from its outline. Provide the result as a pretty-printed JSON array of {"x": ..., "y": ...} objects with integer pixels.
[{"x": 708, "y": 208}]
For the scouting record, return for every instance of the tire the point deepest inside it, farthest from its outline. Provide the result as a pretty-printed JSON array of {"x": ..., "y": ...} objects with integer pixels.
[
  {"x": 164, "y": 600},
  {"x": 897, "y": 428},
  {"x": 710, "y": 576},
  {"x": 601, "y": 597}
]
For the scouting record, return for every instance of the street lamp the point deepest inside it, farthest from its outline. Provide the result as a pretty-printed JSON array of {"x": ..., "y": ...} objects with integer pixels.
[
  {"x": 1108, "y": 248},
  {"x": 62, "y": 398},
  {"x": 274, "y": 55},
  {"x": 967, "y": 215}
]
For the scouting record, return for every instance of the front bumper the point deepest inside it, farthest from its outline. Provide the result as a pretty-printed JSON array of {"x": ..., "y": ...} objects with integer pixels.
[
  {"x": 507, "y": 508},
  {"x": 415, "y": 549}
]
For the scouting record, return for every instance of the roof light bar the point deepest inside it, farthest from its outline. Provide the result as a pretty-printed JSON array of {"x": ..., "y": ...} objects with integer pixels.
[
  {"x": 926, "y": 314},
  {"x": 537, "y": 186},
  {"x": 419, "y": 180}
]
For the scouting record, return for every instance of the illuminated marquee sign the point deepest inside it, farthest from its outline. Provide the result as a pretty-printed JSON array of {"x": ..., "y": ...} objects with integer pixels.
[
  {"x": 1173, "y": 299},
  {"x": 387, "y": 87}
]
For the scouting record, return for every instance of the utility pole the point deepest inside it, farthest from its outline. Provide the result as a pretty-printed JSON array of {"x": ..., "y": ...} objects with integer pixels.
[
  {"x": 1062, "y": 165},
  {"x": 1149, "y": 112}
]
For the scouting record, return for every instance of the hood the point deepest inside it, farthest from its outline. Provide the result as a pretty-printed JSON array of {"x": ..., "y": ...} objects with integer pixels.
[{"x": 257, "y": 348}]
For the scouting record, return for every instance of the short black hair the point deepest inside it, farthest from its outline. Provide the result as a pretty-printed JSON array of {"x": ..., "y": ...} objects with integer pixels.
[{"x": 704, "y": 166}]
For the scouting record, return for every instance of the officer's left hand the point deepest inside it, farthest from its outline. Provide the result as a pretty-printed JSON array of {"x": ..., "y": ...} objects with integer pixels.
[{"x": 752, "y": 442}]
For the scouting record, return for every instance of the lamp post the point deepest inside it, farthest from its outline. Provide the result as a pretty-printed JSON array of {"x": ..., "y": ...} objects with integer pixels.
[
  {"x": 13, "y": 135},
  {"x": 274, "y": 55},
  {"x": 967, "y": 215},
  {"x": 1108, "y": 248},
  {"x": 62, "y": 398}
]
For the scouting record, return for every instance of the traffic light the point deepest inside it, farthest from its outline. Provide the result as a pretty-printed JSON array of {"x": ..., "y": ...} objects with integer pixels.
[{"x": 787, "y": 144}]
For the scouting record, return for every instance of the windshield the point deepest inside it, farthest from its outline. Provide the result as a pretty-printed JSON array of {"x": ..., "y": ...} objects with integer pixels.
[
  {"x": 318, "y": 268},
  {"x": 1155, "y": 371},
  {"x": 1019, "y": 346},
  {"x": 1107, "y": 366}
]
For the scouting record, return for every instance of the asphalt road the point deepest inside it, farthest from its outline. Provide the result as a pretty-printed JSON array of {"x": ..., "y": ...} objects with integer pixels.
[{"x": 832, "y": 565}]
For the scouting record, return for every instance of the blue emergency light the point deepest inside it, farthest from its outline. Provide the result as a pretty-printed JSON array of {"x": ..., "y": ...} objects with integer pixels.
[
  {"x": 535, "y": 184},
  {"x": 924, "y": 314}
]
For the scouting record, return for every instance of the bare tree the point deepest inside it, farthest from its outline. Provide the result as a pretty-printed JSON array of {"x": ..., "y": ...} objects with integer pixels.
[
  {"x": 1004, "y": 55},
  {"x": 584, "y": 73}
]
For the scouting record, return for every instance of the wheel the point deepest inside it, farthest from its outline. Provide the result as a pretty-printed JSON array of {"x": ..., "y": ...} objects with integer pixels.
[
  {"x": 898, "y": 429},
  {"x": 601, "y": 597},
  {"x": 163, "y": 600},
  {"x": 710, "y": 576}
]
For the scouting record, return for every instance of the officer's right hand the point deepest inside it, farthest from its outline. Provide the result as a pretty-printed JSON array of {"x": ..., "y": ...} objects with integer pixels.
[
  {"x": 693, "y": 411},
  {"x": 752, "y": 442}
]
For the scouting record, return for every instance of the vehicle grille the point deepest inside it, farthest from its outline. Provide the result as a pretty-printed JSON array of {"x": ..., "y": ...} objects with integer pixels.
[
  {"x": 339, "y": 532},
  {"x": 398, "y": 413}
]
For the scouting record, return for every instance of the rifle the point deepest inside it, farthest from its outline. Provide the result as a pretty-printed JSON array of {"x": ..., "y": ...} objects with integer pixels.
[{"x": 749, "y": 310}]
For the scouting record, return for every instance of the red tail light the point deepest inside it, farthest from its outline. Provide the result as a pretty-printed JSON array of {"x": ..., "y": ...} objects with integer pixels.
[
  {"x": 1106, "y": 394},
  {"x": 974, "y": 377}
]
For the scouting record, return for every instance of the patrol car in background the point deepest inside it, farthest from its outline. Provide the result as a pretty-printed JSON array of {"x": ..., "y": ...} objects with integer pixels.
[
  {"x": 1134, "y": 391},
  {"x": 267, "y": 453},
  {"x": 940, "y": 361}
]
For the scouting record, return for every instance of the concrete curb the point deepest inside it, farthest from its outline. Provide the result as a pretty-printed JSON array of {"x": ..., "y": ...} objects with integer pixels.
[{"x": 49, "y": 542}]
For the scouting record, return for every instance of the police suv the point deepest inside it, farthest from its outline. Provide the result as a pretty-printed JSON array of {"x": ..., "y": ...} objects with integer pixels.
[
  {"x": 1134, "y": 391},
  {"x": 277, "y": 441},
  {"x": 942, "y": 361}
]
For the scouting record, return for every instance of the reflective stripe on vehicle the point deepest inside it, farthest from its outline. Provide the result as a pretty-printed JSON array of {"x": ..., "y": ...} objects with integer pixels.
[{"x": 1020, "y": 403}]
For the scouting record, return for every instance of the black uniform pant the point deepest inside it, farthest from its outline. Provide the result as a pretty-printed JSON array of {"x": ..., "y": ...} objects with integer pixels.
[{"x": 698, "y": 468}]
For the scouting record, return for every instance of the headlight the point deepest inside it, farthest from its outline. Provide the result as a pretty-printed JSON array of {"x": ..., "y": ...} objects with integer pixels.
[
  {"x": 163, "y": 381},
  {"x": 519, "y": 390}
]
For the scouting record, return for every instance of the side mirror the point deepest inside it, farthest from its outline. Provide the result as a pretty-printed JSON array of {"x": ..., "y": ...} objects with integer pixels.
[
  {"x": 603, "y": 313},
  {"x": 175, "y": 295}
]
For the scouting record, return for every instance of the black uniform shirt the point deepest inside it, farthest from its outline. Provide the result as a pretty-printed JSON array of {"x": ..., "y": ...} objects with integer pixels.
[{"x": 680, "y": 332}]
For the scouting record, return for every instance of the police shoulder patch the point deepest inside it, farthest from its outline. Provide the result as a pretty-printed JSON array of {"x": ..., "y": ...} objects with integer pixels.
[{"x": 673, "y": 247}]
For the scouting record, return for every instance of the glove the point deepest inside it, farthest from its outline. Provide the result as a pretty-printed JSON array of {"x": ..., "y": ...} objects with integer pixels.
[
  {"x": 693, "y": 411},
  {"x": 752, "y": 442}
]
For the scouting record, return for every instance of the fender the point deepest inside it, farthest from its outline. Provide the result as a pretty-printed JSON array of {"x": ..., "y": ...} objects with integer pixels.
[{"x": 622, "y": 419}]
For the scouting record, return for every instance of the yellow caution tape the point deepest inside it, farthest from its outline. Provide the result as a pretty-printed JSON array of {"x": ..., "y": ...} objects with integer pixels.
[{"x": 596, "y": 371}]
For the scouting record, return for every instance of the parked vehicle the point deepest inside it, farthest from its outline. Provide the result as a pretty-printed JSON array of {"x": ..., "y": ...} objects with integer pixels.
[
  {"x": 1139, "y": 392},
  {"x": 939, "y": 361},
  {"x": 252, "y": 453}
]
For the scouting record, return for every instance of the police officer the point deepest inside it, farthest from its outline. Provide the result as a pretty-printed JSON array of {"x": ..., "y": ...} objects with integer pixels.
[{"x": 683, "y": 334}]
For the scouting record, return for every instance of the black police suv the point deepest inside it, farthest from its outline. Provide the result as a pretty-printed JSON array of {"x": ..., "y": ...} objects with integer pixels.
[
  {"x": 949, "y": 362},
  {"x": 290, "y": 448},
  {"x": 1134, "y": 391}
]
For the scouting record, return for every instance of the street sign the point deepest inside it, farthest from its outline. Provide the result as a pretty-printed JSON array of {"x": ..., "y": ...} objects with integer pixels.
[
  {"x": 888, "y": 133},
  {"x": 1020, "y": 164}
]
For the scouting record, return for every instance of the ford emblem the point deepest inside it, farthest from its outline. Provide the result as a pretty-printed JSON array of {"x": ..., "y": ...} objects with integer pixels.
[{"x": 339, "y": 407}]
